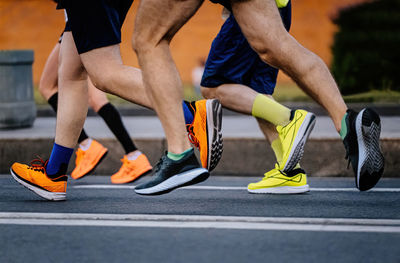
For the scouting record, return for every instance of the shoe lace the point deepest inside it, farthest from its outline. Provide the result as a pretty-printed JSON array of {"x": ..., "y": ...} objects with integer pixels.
[
  {"x": 38, "y": 164},
  {"x": 127, "y": 165},
  {"x": 191, "y": 135},
  {"x": 160, "y": 164}
]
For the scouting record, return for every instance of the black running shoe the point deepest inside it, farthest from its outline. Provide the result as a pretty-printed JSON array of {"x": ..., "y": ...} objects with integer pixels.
[
  {"x": 362, "y": 147},
  {"x": 170, "y": 174}
]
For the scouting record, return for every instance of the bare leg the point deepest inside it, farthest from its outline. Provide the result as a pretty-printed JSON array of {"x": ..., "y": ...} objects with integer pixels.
[
  {"x": 49, "y": 80},
  {"x": 236, "y": 97},
  {"x": 156, "y": 24},
  {"x": 107, "y": 73},
  {"x": 240, "y": 98},
  {"x": 97, "y": 98},
  {"x": 262, "y": 26},
  {"x": 73, "y": 97}
]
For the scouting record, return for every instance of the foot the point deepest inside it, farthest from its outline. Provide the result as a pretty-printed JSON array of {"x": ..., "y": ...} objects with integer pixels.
[
  {"x": 205, "y": 131},
  {"x": 278, "y": 182},
  {"x": 293, "y": 137},
  {"x": 131, "y": 169},
  {"x": 362, "y": 147},
  {"x": 87, "y": 161},
  {"x": 34, "y": 178},
  {"x": 170, "y": 175}
]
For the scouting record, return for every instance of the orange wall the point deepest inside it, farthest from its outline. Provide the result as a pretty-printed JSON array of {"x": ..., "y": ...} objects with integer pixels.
[{"x": 35, "y": 24}]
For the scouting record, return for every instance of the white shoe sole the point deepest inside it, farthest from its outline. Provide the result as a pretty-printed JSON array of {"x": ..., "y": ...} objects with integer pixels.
[
  {"x": 179, "y": 180},
  {"x": 214, "y": 139},
  {"x": 52, "y": 196},
  {"x": 370, "y": 158},
  {"x": 297, "y": 150},
  {"x": 281, "y": 190}
]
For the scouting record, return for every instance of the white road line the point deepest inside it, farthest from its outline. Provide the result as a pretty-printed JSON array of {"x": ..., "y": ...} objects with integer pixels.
[
  {"x": 232, "y": 188},
  {"x": 191, "y": 221}
]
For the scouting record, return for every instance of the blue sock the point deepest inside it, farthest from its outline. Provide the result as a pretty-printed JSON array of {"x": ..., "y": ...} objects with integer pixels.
[
  {"x": 59, "y": 159},
  {"x": 187, "y": 112}
]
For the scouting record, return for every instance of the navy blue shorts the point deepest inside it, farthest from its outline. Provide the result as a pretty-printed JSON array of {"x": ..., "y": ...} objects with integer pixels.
[
  {"x": 95, "y": 23},
  {"x": 232, "y": 60}
]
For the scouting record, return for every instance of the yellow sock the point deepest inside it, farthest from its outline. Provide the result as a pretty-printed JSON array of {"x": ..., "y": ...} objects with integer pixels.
[
  {"x": 281, "y": 3},
  {"x": 277, "y": 148},
  {"x": 270, "y": 110}
]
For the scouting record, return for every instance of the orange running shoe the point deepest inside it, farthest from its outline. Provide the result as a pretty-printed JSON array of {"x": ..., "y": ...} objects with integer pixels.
[
  {"x": 87, "y": 161},
  {"x": 131, "y": 169},
  {"x": 34, "y": 178},
  {"x": 205, "y": 131}
]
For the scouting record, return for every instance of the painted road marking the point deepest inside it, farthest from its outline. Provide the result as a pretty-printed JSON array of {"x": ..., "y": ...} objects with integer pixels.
[
  {"x": 233, "y": 188},
  {"x": 195, "y": 221}
]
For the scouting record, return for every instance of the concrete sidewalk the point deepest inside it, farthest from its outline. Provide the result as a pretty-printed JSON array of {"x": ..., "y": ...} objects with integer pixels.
[{"x": 245, "y": 150}]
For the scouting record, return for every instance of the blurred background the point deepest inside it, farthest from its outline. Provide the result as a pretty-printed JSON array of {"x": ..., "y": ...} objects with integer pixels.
[{"x": 360, "y": 48}]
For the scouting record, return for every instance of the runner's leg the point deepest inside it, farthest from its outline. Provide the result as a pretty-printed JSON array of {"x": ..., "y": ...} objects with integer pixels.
[
  {"x": 156, "y": 24},
  {"x": 107, "y": 72},
  {"x": 48, "y": 84},
  {"x": 73, "y": 102},
  {"x": 276, "y": 47}
]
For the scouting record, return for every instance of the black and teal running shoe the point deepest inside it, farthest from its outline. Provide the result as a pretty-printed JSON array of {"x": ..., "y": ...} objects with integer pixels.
[{"x": 362, "y": 147}]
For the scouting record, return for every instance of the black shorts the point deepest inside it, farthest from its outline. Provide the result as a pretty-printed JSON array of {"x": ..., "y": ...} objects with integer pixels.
[
  {"x": 225, "y": 3},
  {"x": 95, "y": 23},
  {"x": 66, "y": 29}
]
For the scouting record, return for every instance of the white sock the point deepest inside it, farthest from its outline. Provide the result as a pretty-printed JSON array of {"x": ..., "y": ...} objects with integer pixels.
[
  {"x": 134, "y": 156},
  {"x": 87, "y": 146}
]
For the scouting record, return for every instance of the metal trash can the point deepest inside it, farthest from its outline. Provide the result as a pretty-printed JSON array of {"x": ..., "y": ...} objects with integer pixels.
[{"x": 17, "y": 106}]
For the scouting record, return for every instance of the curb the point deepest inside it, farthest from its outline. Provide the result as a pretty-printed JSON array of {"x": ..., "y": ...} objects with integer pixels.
[{"x": 242, "y": 156}]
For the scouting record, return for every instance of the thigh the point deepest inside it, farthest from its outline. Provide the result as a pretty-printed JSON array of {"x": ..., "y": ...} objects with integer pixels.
[
  {"x": 101, "y": 62},
  {"x": 158, "y": 20},
  {"x": 262, "y": 25}
]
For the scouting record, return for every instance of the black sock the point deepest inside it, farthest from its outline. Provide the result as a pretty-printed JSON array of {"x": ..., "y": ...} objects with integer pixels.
[
  {"x": 53, "y": 101},
  {"x": 113, "y": 120}
]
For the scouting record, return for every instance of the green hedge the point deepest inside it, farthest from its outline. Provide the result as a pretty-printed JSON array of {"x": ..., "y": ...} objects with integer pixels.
[{"x": 366, "y": 49}]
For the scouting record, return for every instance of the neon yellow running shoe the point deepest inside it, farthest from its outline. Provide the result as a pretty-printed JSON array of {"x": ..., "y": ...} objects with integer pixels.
[
  {"x": 293, "y": 136},
  {"x": 278, "y": 182}
]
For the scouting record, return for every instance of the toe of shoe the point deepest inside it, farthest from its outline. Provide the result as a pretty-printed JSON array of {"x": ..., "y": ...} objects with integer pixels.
[{"x": 18, "y": 168}]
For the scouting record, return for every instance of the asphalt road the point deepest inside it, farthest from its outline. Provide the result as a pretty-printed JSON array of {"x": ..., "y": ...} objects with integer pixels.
[{"x": 216, "y": 221}]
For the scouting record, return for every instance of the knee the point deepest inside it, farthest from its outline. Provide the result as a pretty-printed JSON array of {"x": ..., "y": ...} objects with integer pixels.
[
  {"x": 140, "y": 42},
  {"x": 46, "y": 87},
  {"x": 102, "y": 80},
  {"x": 208, "y": 93},
  {"x": 71, "y": 73},
  {"x": 96, "y": 104},
  {"x": 144, "y": 41},
  {"x": 272, "y": 49}
]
